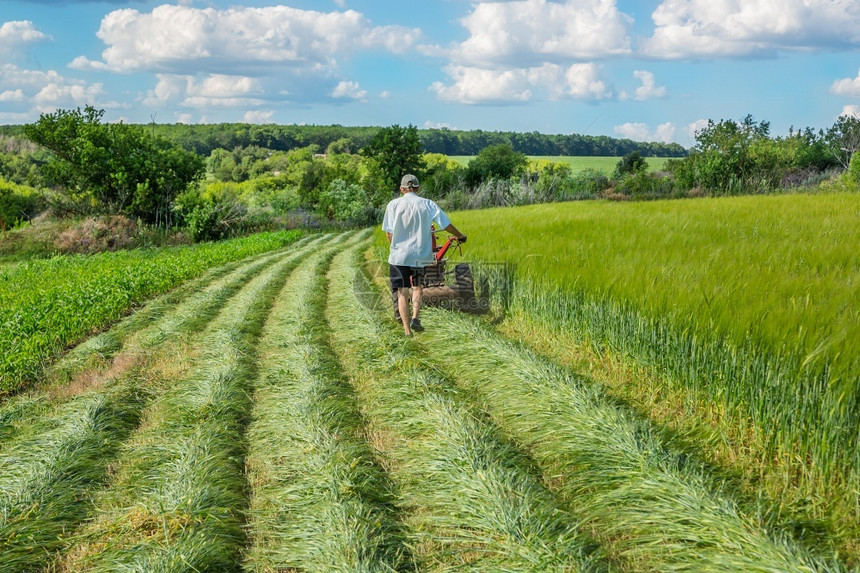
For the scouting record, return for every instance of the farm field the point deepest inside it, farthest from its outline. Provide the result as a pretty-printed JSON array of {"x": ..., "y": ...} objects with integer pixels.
[
  {"x": 578, "y": 163},
  {"x": 268, "y": 415}
]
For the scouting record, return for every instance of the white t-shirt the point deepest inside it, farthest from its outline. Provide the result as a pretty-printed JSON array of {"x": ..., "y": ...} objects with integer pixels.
[{"x": 408, "y": 219}]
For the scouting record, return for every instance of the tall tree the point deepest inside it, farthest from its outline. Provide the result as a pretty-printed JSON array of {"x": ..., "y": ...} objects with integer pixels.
[
  {"x": 112, "y": 168},
  {"x": 398, "y": 151}
]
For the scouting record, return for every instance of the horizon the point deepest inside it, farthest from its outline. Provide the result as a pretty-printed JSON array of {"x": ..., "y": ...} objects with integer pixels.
[{"x": 650, "y": 70}]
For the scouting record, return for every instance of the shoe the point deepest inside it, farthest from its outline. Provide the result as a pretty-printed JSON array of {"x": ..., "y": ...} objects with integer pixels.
[{"x": 416, "y": 325}]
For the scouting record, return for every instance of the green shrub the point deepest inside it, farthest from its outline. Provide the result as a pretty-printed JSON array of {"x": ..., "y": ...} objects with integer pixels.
[{"x": 18, "y": 204}]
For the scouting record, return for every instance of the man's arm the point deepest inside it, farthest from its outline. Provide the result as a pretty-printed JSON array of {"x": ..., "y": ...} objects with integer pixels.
[
  {"x": 456, "y": 232},
  {"x": 389, "y": 236}
]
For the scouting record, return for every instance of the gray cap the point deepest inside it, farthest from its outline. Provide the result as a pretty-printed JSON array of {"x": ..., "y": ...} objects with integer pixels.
[{"x": 409, "y": 181}]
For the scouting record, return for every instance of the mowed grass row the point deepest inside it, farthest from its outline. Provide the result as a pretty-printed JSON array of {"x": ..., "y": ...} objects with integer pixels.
[
  {"x": 58, "y": 456},
  {"x": 177, "y": 498},
  {"x": 651, "y": 507},
  {"x": 746, "y": 307},
  {"x": 319, "y": 502},
  {"x": 47, "y": 305},
  {"x": 470, "y": 500},
  {"x": 113, "y": 352}
]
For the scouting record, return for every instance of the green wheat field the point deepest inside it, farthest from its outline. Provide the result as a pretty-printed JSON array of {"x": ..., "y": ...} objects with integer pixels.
[{"x": 661, "y": 386}]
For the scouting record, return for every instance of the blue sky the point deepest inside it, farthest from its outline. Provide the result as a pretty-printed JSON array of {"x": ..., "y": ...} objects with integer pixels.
[{"x": 651, "y": 70}]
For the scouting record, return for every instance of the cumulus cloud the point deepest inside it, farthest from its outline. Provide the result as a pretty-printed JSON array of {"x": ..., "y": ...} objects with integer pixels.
[
  {"x": 665, "y": 132},
  {"x": 479, "y": 85},
  {"x": 16, "y": 35},
  {"x": 258, "y": 116},
  {"x": 184, "y": 40},
  {"x": 695, "y": 127},
  {"x": 214, "y": 90},
  {"x": 851, "y": 111},
  {"x": 526, "y": 33},
  {"x": 847, "y": 87},
  {"x": 648, "y": 90},
  {"x": 720, "y": 28},
  {"x": 348, "y": 90},
  {"x": 44, "y": 91}
]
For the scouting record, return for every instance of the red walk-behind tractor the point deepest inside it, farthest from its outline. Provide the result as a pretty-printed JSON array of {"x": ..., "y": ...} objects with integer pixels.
[{"x": 450, "y": 289}]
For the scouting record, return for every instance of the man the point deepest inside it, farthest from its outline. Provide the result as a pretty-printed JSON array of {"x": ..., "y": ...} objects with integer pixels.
[{"x": 407, "y": 224}]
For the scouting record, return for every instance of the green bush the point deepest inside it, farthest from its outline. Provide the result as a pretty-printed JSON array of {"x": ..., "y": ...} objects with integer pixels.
[{"x": 18, "y": 204}]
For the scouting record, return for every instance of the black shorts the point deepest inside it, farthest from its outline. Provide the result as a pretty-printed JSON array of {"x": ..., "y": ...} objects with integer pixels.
[{"x": 405, "y": 277}]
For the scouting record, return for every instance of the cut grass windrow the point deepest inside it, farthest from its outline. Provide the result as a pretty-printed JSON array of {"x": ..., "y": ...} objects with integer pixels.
[
  {"x": 53, "y": 462},
  {"x": 106, "y": 355},
  {"x": 319, "y": 502},
  {"x": 651, "y": 507},
  {"x": 472, "y": 501},
  {"x": 46, "y": 475},
  {"x": 177, "y": 498},
  {"x": 47, "y": 305}
]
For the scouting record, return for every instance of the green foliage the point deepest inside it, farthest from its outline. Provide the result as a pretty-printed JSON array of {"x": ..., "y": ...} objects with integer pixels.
[
  {"x": 732, "y": 158},
  {"x": 46, "y": 305},
  {"x": 398, "y": 151},
  {"x": 343, "y": 201},
  {"x": 496, "y": 162},
  {"x": 641, "y": 185},
  {"x": 18, "y": 204},
  {"x": 112, "y": 168},
  {"x": 630, "y": 164},
  {"x": 442, "y": 175},
  {"x": 843, "y": 138}
]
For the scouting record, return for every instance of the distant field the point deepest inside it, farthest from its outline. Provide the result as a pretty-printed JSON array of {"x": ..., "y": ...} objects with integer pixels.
[{"x": 604, "y": 164}]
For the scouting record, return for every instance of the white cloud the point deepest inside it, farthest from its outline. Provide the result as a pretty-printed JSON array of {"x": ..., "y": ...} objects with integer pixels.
[
  {"x": 218, "y": 90},
  {"x": 720, "y": 28},
  {"x": 851, "y": 110},
  {"x": 847, "y": 87},
  {"x": 35, "y": 91},
  {"x": 437, "y": 125},
  {"x": 349, "y": 90},
  {"x": 16, "y": 34},
  {"x": 694, "y": 128},
  {"x": 10, "y": 95},
  {"x": 648, "y": 90},
  {"x": 665, "y": 132},
  {"x": 526, "y": 33},
  {"x": 584, "y": 82},
  {"x": 259, "y": 116},
  {"x": 476, "y": 85},
  {"x": 185, "y": 40},
  {"x": 479, "y": 85}
]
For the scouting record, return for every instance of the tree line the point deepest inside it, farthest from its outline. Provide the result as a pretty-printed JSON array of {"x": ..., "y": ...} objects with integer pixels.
[
  {"x": 228, "y": 179},
  {"x": 204, "y": 138}
]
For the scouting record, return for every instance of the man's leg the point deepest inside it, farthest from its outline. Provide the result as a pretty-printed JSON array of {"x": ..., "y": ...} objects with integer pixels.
[
  {"x": 417, "y": 296},
  {"x": 403, "y": 307}
]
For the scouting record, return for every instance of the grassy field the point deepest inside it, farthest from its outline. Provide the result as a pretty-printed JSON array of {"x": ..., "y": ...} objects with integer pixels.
[
  {"x": 268, "y": 415},
  {"x": 748, "y": 307},
  {"x": 603, "y": 164}
]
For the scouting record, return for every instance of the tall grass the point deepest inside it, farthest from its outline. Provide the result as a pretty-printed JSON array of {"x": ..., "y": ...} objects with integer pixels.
[
  {"x": 471, "y": 499},
  {"x": 319, "y": 502},
  {"x": 748, "y": 302},
  {"x": 652, "y": 507}
]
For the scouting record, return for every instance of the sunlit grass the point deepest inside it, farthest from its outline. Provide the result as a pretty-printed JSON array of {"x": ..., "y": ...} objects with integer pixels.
[
  {"x": 751, "y": 302},
  {"x": 472, "y": 499},
  {"x": 318, "y": 500}
]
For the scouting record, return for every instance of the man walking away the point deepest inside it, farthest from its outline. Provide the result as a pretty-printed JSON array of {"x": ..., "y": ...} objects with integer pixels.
[{"x": 407, "y": 223}]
